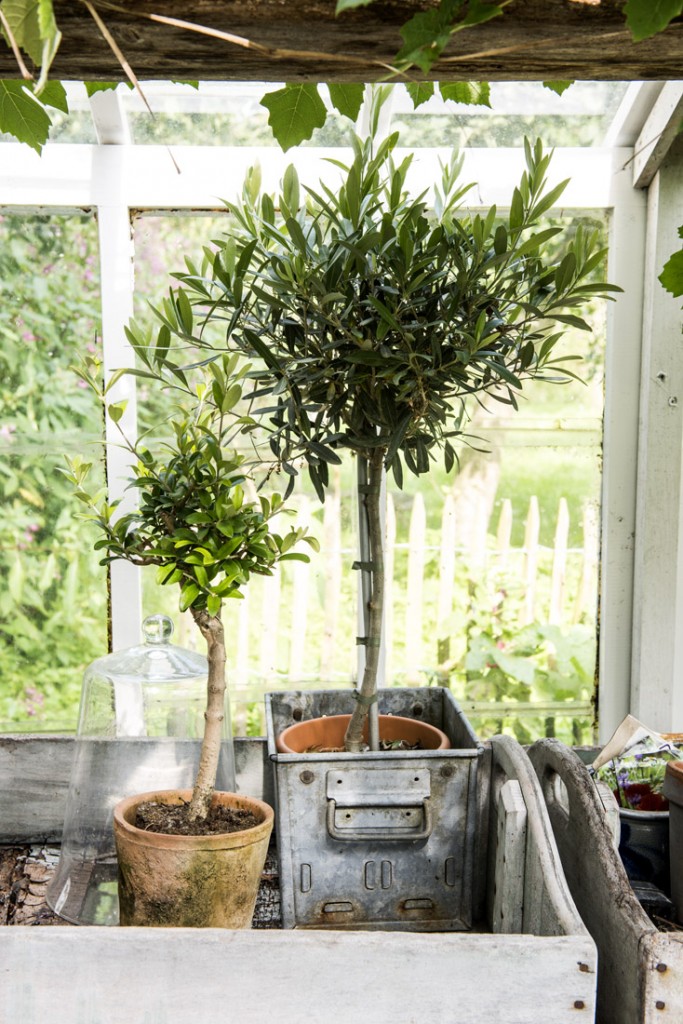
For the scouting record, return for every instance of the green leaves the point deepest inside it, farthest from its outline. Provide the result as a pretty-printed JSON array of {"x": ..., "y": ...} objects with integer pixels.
[
  {"x": 22, "y": 116},
  {"x": 428, "y": 33},
  {"x": 193, "y": 520},
  {"x": 647, "y": 17},
  {"x": 294, "y": 113},
  {"x": 671, "y": 276},
  {"x": 472, "y": 93},
  {"x": 558, "y": 87},
  {"x": 347, "y": 98},
  {"x": 370, "y": 320}
]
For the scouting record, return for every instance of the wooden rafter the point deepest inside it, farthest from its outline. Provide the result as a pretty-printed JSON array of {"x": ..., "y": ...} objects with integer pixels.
[{"x": 301, "y": 40}]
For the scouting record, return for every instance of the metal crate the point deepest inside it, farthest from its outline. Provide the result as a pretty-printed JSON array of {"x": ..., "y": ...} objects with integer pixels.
[{"x": 376, "y": 840}]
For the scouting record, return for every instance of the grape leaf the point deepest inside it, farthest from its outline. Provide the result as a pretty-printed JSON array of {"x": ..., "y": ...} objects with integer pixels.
[
  {"x": 671, "y": 276},
  {"x": 473, "y": 93},
  {"x": 420, "y": 92},
  {"x": 426, "y": 35},
  {"x": 558, "y": 86},
  {"x": 92, "y": 87},
  {"x": 46, "y": 20},
  {"x": 347, "y": 98},
  {"x": 295, "y": 112},
  {"x": 22, "y": 116},
  {"x": 424, "y": 38},
  {"x": 53, "y": 94},
  {"x": 647, "y": 17},
  {"x": 23, "y": 17}
]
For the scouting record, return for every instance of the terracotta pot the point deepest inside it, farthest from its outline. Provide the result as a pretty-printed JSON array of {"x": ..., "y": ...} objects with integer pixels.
[
  {"x": 330, "y": 731},
  {"x": 189, "y": 881}
]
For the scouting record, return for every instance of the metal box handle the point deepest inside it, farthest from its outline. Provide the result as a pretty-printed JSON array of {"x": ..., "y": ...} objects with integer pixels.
[{"x": 384, "y": 835}]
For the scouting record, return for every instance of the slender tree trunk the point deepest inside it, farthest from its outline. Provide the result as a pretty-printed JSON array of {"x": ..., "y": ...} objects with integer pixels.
[
  {"x": 368, "y": 689},
  {"x": 212, "y": 630}
]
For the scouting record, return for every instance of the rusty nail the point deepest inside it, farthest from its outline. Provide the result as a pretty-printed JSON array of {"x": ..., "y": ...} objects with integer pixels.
[
  {"x": 661, "y": 968},
  {"x": 446, "y": 771},
  {"x": 579, "y": 1004},
  {"x": 584, "y": 967},
  {"x": 307, "y": 777},
  {"x": 660, "y": 1004}
]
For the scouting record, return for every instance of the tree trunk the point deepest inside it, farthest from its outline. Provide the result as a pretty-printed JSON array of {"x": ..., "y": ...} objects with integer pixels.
[
  {"x": 212, "y": 630},
  {"x": 367, "y": 693}
]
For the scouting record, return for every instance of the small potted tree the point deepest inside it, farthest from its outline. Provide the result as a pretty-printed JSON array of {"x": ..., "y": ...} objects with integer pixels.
[
  {"x": 192, "y": 858},
  {"x": 373, "y": 318}
]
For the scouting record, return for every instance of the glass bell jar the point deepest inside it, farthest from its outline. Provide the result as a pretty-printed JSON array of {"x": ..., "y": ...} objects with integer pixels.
[{"x": 140, "y": 725}]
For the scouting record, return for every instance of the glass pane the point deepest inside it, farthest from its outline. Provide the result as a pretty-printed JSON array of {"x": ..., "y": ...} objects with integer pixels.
[
  {"x": 74, "y": 126},
  {"x": 53, "y": 594},
  {"x": 231, "y": 114},
  {"x": 580, "y": 117},
  {"x": 493, "y": 570}
]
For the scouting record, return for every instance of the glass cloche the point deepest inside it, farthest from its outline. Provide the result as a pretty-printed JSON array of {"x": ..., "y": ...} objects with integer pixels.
[{"x": 140, "y": 726}]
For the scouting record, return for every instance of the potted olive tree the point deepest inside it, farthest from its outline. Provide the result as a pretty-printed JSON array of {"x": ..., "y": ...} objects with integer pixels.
[
  {"x": 192, "y": 858},
  {"x": 374, "y": 316}
]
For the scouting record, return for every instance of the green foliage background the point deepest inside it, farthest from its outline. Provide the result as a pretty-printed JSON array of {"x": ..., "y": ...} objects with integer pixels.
[{"x": 53, "y": 595}]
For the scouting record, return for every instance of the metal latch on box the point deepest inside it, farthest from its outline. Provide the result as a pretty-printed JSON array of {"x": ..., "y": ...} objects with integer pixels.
[{"x": 381, "y": 804}]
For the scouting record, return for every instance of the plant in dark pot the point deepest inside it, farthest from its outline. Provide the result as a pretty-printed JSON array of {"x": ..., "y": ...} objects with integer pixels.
[
  {"x": 191, "y": 858},
  {"x": 373, "y": 315}
]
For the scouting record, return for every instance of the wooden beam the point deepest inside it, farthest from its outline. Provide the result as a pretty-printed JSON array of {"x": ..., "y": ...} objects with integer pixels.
[
  {"x": 34, "y": 783},
  {"x": 179, "y": 974},
  {"x": 658, "y": 133},
  {"x": 303, "y": 40}
]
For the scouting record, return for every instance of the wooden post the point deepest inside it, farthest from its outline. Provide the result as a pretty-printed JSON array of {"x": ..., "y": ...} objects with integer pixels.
[
  {"x": 389, "y": 565},
  {"x": 531, "y": 532},
  {"x": 559, "y": 564},
  {"x": 301, "y": 577},
  {"x": 587, "y": 592},
  {"x": 414, "y": 610},
  {"x": 446, "y": 580},
  {"x": 504, "y": 533},
  {"x": 270, "y": 621},
  {"x": 331, "y": 556},
  {"x": 657, "y": 677}
]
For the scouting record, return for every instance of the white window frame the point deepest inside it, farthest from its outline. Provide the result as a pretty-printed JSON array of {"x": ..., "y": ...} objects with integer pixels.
[{"x": 117, "y": 178}]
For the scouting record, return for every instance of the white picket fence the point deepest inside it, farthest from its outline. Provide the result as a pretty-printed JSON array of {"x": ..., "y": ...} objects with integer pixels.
[{"x": 298, "y": 627}]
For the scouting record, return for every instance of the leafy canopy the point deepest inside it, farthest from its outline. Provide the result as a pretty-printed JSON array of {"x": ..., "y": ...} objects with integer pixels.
[
  {"x": 372, "y": 317},
  {"x": 192, "y": 518}
]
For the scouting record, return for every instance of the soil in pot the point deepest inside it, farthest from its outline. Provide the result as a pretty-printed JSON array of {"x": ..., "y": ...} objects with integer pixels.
[{"x": 173, "y": 820}]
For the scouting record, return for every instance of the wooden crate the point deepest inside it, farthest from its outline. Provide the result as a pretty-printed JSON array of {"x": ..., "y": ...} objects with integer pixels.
[
  {"x": 531, "y": 961},
  {"x": 640, "y": 976}
]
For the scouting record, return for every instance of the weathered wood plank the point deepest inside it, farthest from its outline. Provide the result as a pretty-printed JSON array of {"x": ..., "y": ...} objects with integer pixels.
[
  {"x": 599, "y": 886},
  {"x": 114, "y": 976},
  {"x": 508, "y": 890},
  {"x": 34, "y": 781},
  {"x": 658, "y": 134},
  {"x": 303, "y": 40},
  {"x": 548, "y": 905}
]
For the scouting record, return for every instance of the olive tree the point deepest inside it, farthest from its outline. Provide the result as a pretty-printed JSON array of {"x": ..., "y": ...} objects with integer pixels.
[
  {"x": 374, "y": 316},
  {"x": 192, "y": 521}
]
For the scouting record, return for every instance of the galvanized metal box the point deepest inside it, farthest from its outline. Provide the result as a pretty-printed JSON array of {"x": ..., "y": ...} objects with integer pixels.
[{"x": 376, "y": 840}]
